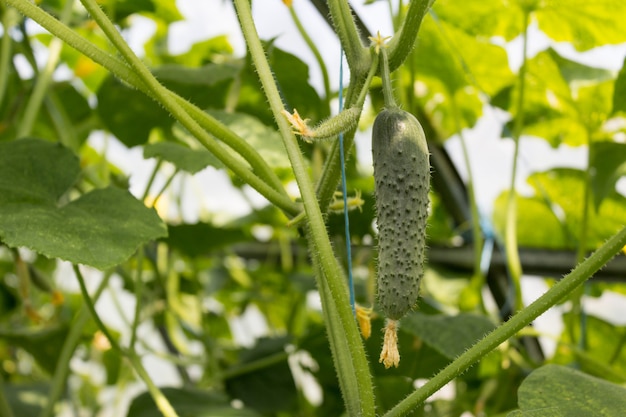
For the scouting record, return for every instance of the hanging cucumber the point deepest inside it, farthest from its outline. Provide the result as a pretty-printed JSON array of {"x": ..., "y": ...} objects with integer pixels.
[{"x": 402, "y": 181}]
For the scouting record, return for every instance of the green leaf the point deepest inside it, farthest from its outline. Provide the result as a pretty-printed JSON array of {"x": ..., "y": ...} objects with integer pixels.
[
  {"x": 603, "y": 355},
  {"x": 205, "y": 51},
  {"x": 585, "y": 24},
  {"x": 608, "y": 164},
  {"x": 129, "y": 114},
  {"x": 44, "y": 345},
  {"x": 449, "y": 335},
  {"x": 553, "y": 390},
  {"x": 619, "y": 103},
  {"x": 202, "y": 238},
  {"x": 101, "y": 228},
  {"x": 459, "y": 60},
  {"x": 292, "y": 77},
  {"x": 188, "y": 402},
  {"x": 494, "y": 18},
  {"x": 555, "y": 210},
  {"x": 184, "y": 158},
  {"x": 262, "y": 379},
  {"x": 27, "y": 399},
  {"x": 207, "y": 86}
]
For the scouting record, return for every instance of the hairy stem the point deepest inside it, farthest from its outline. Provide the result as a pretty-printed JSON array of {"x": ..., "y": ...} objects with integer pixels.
[
  {"x": 403, "y": 42},
  {"x": 43, "y": 79},
  {"x": 354, "y": 376},
  {"x": 263, "y": 179},
  {"x": 356, "y": 53},
  {"x": 516, "y": 323}
]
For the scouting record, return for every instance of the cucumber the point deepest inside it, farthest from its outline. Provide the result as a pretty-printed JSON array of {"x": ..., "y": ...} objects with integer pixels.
[{"x": 402, "y": 181}]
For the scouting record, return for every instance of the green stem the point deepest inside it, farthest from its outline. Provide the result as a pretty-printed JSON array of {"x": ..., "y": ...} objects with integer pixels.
[
  {"x": 165, "y": 98},
  {"x": 160, "y": 400},
  {"x": 266, "y": 183},
  {"x": 385, "y": 75},
  {"x": 357, "y": 386},
  {"x": 138, "y": 297},
  {"x": 9, "y": 19},
  {"x": 356, "y": 53},
  {"x": 58, "y": 383},
  {"x": 43, "y": 79},
  {"x": 332, "y": 169},
  {"x": 403, "y": 42},
  {"x": 155, "y": 171},
  {"x": 316, "y": 53},
  {"x": 5, "y": 408},
  {"x": 511, "y": 249},
  {"x": 516, "y": 323}
]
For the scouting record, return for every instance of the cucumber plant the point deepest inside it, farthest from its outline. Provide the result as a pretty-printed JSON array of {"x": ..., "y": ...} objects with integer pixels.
[
  {"x": 55, "y": 201},
  {"x": 402, "y": 179}
]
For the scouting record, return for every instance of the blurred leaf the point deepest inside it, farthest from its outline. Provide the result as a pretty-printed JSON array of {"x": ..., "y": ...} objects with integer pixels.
[
  {"x": 292, "y": 77},
  {"x": 553, "y": 390},
  {"x": 619, "y": 103},
  {"x": 603, "y": 355},
  {"x": 201, "y": 239},
  {"x": 585, "y": 25},
  {"x": 183, "y": 157},
  {"x": 556, "y": 212},
  {"x": 27, "y": 399},
  {"x": 129, "y": 114},
  {"x": 206, "y": 86},
  {"x": 607, "y": 164},
  {"x": 101, "y": 228},
  {"x": 262, "y": 379},
  {"x": 459, "y": 60},
  {"x": 449, "y": 335},
  {"x": 43, "y": 344},
  {"x": 205, "y": 51},
  {"x": 188, "y": 402},
  {"x": 493, "y": 18}
]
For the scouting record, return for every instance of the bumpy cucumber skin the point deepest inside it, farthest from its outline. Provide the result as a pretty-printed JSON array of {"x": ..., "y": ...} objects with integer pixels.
[{"x": 402, "y": 180}]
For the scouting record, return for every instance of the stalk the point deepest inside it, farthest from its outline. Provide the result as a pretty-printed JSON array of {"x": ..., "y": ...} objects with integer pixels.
[
  {"x": 516, "y": 323},
  {"x": 351, "y": 363},
  {"x": 263, "y": 179}
]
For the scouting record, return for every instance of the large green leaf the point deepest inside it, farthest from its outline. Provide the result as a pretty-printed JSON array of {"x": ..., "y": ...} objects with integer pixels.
[
  {"x": 449, "y": 335},
  {"x": 554, "y": 390},
  {"x": 585, "y": 24},
  {"x": 101, "y": 228},
  {"x": 488, "y": 19},
  {"x": 188, "y": 402}
]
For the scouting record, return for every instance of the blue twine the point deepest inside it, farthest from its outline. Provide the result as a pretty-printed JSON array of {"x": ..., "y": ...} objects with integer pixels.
[{"x": 345, "y": 196}]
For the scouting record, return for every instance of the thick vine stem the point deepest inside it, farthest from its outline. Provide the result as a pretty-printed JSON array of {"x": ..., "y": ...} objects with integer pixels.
[
  {"x": 354, "y": 375},
  {"x": 516, "y": 323},
  {"x": 404, "y": 41},
  {"x": 356, "y": 53},
  {"x": 263, "y": 179}
]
